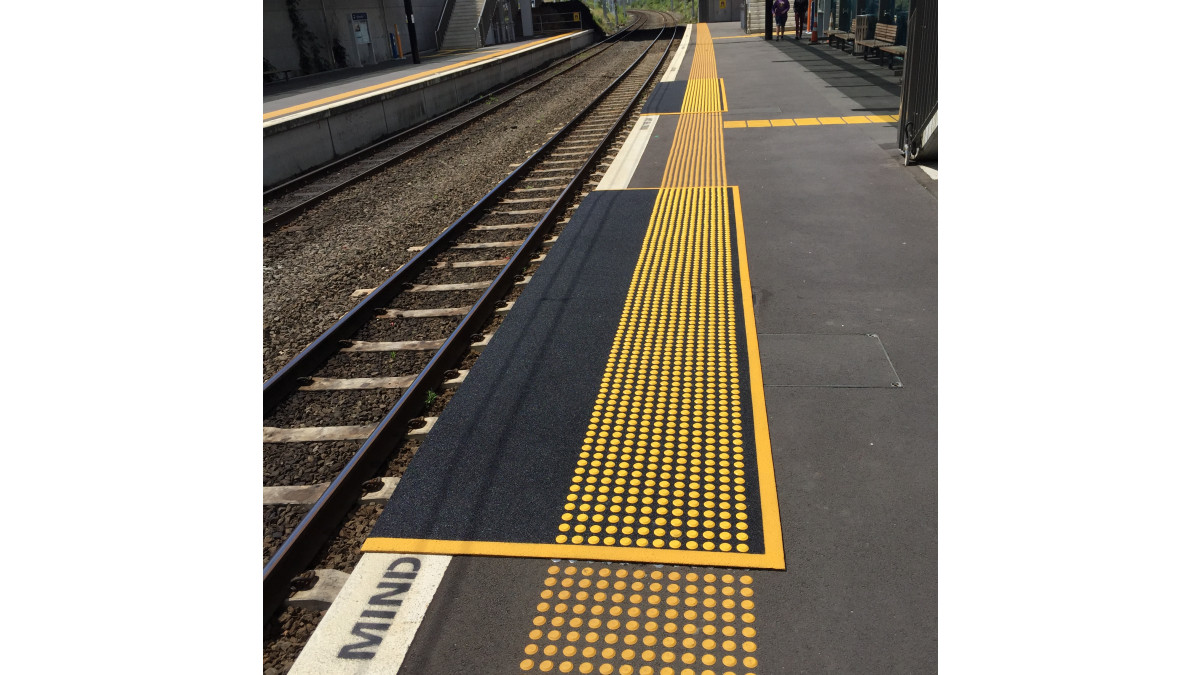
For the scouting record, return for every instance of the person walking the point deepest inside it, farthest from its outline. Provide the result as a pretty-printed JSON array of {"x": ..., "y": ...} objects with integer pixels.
[
  {"x": 801, "y": 16},
  {"x": 780, "y": 9}
]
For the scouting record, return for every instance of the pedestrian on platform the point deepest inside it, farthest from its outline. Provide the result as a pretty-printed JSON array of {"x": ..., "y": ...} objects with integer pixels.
[
  {"x": 801, "y": 16},
  {"x": 780, "y": 9}
]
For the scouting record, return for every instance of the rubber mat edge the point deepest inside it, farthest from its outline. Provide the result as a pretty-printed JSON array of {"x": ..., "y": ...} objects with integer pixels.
[
  {"x": 770, "y": 560},
  {"x": 768, "y": 489}
]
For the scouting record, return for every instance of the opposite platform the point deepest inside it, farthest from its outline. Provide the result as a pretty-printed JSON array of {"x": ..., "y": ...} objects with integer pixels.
[{"x": 312, "y": 126}]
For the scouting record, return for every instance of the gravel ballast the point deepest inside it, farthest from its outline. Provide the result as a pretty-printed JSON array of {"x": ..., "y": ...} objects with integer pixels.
[{"x": 359, "y": 237}]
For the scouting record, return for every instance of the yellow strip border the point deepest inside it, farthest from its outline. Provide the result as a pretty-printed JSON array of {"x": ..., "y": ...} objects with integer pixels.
[
  {"x": 723, "y": 106},
  {"x": 767, "y": 488},
  {"x": 663, "y": 556}
]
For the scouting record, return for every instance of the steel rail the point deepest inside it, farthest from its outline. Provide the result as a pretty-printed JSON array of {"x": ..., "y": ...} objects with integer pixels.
[
  {"x": 286, "y": 379},
  {"x": 321, "y": 520},
  {"x": 278, "y": 220}
]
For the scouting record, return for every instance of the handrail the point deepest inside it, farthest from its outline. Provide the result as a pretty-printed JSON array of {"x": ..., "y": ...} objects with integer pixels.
[
  {"x": 444, "y": 23},
  {"x": 481, "y": 29}
]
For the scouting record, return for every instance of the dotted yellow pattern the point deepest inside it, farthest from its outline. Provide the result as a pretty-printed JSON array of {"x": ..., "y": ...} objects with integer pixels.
[
  {"x": 662, "y": 463},
  {"x": 605, "y": 620},
  {"x": 704, "y": 92}
]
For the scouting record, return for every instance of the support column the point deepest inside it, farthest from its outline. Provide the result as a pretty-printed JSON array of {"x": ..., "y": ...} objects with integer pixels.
[{"x": 526, "y": 17}]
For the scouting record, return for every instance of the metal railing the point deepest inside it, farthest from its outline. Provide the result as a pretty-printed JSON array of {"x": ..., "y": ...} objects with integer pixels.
[
  {"x": 555, "y": 23},
  {"x": 919, "y": 90},
  {"x": 444, "y": 22},
  {"x": 485, "y": 20}
]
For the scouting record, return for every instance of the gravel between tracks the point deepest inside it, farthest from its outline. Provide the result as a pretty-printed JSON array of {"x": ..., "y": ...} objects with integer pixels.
[{"x": 359, "y": 237}]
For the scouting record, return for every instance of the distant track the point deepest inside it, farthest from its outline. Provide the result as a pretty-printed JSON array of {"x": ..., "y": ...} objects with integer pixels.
[{"x": 285, "y": 202}]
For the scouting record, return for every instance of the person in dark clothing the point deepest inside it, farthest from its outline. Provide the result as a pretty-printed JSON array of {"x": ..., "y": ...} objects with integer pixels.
[
  {"x": 780, "y": 9},
  {"x": 801, "y": 16}
]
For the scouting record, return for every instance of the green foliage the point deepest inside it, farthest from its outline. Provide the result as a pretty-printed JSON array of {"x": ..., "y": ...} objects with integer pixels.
[
  {"x": 311, "y": 58},
  {"x": 684, "y": 10}
]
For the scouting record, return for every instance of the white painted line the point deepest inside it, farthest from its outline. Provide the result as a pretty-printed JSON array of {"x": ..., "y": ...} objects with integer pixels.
[
  {"x": 371, "y": 624},
  {"x": 621, "y": 172},
  {"x": 677, "y": 61},
  {"x": 932, "y": 172}
]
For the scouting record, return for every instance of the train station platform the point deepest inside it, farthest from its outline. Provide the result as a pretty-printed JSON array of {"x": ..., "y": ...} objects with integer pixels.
[
  {"x": 704, "y": 440},
  {"x": 309, "y": 122}
]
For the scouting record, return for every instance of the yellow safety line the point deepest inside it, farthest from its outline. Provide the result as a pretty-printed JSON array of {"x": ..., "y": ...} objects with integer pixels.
[
  {"x": 811, "y": 121},
  {"x": 772, "y": 524},
  {"x": 376, "y": 87},
  {"x": 769, "y": 560}
]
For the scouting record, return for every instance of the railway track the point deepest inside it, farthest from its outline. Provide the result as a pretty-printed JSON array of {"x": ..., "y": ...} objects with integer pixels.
[
  {"x": 285, "y": 202},
  {"x": 411, "y": 340}
]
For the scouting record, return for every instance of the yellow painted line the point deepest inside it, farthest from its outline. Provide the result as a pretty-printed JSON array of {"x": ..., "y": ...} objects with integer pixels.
[
  {"x": 724, "y": 98},
  {"x": 808, "y": 121},
  {"x": 772, "y": 560},
  {"x": 690, "y": 112},
  {"x": 772, "y": 525},
  {"x": 894, "y": 118},
  {"x": 366, "y": 90}
]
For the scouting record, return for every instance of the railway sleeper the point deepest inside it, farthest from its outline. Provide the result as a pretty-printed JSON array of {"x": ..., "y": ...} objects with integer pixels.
[
  {"x": 477, "y": 245},
  {"x": 365, "y": 346},
  {"x": 447, "y": 311},
  {"x": 500, "y": 262},
  {"x": 375, "y": 491},
  {"x": 325, "y": 584},
  {"x": 354, "y": 433},
  {"x": 402, "y": 382}
]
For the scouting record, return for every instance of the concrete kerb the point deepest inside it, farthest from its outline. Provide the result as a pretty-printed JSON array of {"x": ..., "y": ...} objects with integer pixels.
[
  {"x": 286, "y": 155},
  {"x": 357, "y": 128},
  {"x": 294, "y": 145}
]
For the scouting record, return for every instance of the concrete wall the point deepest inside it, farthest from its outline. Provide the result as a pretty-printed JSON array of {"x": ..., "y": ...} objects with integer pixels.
[
  {"x": 329, "y": 20},
  {"x": 293, "y": 146},
  {"x": 712, "y": 12}
]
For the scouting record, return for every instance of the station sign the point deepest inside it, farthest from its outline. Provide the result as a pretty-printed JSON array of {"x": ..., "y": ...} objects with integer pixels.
[{"x": 362, "y": 35}]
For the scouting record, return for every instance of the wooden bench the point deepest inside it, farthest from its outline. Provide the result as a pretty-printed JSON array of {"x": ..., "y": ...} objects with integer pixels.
[
  {"x": 273, "y": 73},
  {"x": 840, "y": 38},
  {"x": 884, "y": 43}
]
